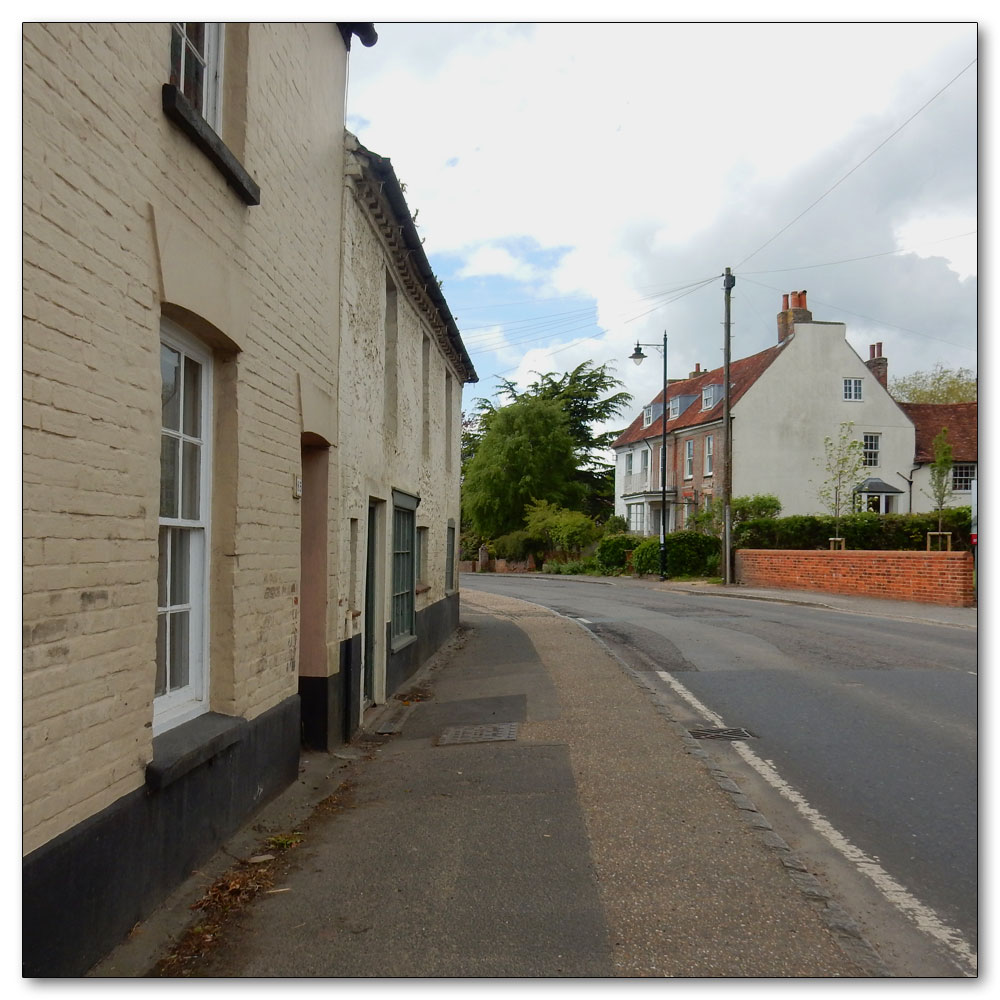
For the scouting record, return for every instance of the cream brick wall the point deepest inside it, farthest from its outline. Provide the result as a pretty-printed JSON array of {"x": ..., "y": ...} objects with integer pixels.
[
  {"x": 372, "y": 462},
  {"x": 108, "y": 183}
]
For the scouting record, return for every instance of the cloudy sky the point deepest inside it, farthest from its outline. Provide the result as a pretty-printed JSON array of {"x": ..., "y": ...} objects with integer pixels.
[{"x": 583, "y": 186}]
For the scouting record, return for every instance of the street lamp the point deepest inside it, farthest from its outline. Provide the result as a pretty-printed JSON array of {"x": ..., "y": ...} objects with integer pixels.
[{"x": 638, "y": 357}]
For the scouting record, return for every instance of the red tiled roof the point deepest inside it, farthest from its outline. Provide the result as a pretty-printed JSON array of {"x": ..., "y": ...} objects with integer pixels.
[
  {"x": 962, "y": 421},
  {"x": 742, "y": 374}
]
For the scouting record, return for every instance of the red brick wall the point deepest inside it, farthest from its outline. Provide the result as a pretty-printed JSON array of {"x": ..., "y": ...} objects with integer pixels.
[{"x": 928, "y": 577}]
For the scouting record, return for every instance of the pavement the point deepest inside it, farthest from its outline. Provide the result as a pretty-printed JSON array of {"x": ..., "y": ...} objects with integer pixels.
[{"x": 525, "y": 807}]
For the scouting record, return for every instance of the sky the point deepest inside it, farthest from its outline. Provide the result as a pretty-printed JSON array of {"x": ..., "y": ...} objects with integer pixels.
[{"x": 582, "y": 186}]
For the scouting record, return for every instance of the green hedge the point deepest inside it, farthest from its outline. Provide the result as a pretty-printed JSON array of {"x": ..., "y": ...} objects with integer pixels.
[
  {"x": 859, "y": 531},
  {"x": 689, "y": 553},
  {"x": 612, "y": 552}
]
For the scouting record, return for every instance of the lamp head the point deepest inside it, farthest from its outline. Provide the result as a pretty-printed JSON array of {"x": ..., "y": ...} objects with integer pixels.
[{"x": 637, "y": 356}]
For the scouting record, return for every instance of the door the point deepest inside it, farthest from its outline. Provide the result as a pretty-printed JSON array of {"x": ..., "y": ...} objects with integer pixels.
[{"x": 370, "y": 644}]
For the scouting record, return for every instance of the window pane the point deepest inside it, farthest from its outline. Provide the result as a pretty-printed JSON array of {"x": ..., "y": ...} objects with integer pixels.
[
  {"x": 161, "y": 590},
  {"x": 176, "y": 55},
  {"x": 161, "y": 655},
  {"x": 169, "y": 454},
  {"x": 179, "y": 649},
  {"x": 170, "y": 392},
  {"x": 180, "y": 566},
  {"x": 192, "y": 397},
  {"x": 191, "y": 504}
]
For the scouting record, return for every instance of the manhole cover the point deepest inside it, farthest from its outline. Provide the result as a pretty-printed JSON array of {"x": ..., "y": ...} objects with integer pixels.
[
  {"x": 479, "y": 734},
  {"x": 721, "y": 734}
]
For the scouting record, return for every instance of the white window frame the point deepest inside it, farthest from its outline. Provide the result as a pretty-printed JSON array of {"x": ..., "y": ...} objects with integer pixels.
[
  {"x": 173, "y": 708},
  {"x": 644, "y": 462},
  {"x": 647, "y": 416},
  {"x": 636, "y": 518},
  {"x": 871, "y": 446},
  {"x": 853, "y": 392},
  {"x": 968, "y": 476},
  {"x": 628, "y": 463},
  {"x": 689, "y": 458},
  {"x": 675, "y": 408},
  {"x": 709, "y": 454},
  {"x": 211, "y": 59}
]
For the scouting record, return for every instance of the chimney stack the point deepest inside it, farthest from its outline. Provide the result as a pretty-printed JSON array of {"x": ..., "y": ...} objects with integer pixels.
[
  {"x": 877, "y": 365},
  {"x": 697, "y": 370},
  {"x": 793, "y": 310}
]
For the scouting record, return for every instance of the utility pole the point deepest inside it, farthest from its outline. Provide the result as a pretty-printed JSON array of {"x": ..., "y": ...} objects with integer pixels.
[{"x": 727, "y": 461}]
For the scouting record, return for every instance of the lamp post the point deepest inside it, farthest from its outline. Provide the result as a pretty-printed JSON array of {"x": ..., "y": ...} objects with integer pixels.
[{"x": 638, "y": 357}]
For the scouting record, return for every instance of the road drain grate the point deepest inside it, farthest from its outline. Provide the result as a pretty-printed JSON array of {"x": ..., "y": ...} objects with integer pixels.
[
  {"x": 722, "y": 734},
  {"x": 478, "y": 734}
]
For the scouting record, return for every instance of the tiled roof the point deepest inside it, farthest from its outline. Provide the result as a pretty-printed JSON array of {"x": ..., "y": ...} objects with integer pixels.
[
  {"x": 742, "y": 374},
  {"x": 961, "y": 419}
]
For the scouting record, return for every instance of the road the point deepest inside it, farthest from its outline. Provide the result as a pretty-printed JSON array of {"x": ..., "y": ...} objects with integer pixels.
[{"x": 864, "y": 740}]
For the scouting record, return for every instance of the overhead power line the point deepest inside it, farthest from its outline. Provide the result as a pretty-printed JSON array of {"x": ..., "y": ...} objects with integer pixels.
[{"x": 857, "y": 165}]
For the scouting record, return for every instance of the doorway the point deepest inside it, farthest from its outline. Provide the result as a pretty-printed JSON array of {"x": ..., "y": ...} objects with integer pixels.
[{"x": 373, "y": 636}]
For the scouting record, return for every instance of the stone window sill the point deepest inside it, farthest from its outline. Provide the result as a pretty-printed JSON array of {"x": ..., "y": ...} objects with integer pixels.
[
  {"x": 180, "y": 750},
  {"x": 180, "y": 111}
]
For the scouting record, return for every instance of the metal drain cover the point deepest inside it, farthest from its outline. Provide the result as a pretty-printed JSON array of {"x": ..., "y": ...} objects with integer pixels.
[
  {"x": 721, "y": 734},
  {"x": 479, "y": 734}
]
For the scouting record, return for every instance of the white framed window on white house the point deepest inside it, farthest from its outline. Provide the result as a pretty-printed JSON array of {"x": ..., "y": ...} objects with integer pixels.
[
  {"x": 628, "y": 463},
  {"x": 196, "y": 66},
  {"x": 870, "y": 449},
  {"x": 644, "y": 463},
  {"x": 962, "y": 474},
  {"x": 688, "y": 459},
  {"x": 709, "y": 454},
  {"x": 852, "y": 389},
  {"x": 636, "y": 518},
  {"x": 647, "y": 416},
  {"x": 182, "y": 668}
]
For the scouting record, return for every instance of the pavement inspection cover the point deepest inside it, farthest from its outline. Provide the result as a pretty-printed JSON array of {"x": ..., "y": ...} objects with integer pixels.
[{"x": 479, "y": 734}]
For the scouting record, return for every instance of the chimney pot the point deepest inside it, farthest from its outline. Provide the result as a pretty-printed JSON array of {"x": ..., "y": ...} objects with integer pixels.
[
  {"x": 802, "y": 299},
  {"x": 878, "y": 349},
  {"x": 871, "y": 352},
  {"x": 784, "y": 301}
]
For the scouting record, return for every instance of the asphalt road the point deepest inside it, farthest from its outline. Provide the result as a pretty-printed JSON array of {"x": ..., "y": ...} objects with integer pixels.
[{"x": 863, "y": 747}]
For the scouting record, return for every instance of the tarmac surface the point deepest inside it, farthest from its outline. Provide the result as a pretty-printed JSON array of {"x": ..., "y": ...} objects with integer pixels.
[{"x": 524, "y": 807}]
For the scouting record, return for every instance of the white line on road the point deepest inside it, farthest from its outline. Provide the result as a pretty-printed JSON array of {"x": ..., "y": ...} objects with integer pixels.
[
  {"x": 586, "y": 621},
  {"x": 925, "y": 918}
]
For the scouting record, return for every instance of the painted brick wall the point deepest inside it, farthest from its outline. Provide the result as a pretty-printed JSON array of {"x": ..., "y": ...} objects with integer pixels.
[
  {"x": 103, "y": 170},
  {"x": 927, "y": 577}
]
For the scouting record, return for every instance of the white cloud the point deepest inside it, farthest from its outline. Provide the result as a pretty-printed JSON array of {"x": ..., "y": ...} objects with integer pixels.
[{"x": 493, "y": 261}]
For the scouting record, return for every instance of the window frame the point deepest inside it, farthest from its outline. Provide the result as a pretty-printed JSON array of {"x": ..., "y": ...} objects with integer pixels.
[
  {"x": 675, "y": 408},
  {"x": 628, "y": 463},
  {"x": 709, "y": 454},
  {"x": 174, "y": 707},
  {"x": 969, "y": 476},
  {"x": 403, "y": 593},
  {"x": 871, "y": 447},
  {"x": 647, "y": 416},
  {"x": 636, "y": 517},
  {"x": 853, "y": 390},
  {"x": 212, "y": 59},
  {"x": 689, "y": 458}
]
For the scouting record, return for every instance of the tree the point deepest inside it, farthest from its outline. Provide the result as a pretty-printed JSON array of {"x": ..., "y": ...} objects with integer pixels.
[
  {"x": 525, "y": 453},
  {"x": 842, "y": 462},
  {"x": 939, "y": 385},
  {"x": 588, "y": 396},
  {"x": 941, "y": 474},
  {"x": 710, "y": 520}
]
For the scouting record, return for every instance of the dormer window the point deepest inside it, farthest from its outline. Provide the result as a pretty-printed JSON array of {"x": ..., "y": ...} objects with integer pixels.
[
  {"x": 647, "y": 416},
  {"x": 675, "y": 408},
  {"x": 710, "y": 395}
]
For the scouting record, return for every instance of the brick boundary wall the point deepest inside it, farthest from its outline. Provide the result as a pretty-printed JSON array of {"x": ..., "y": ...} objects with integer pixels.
[{"x": 927, "y": 577}]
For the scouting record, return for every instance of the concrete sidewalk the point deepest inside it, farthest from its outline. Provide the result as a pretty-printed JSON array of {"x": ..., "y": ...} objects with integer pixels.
[{"x": 583, "y": 835}]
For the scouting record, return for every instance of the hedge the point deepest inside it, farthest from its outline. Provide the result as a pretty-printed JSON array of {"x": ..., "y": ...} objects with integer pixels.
[
  {"x": 612, "y": 552},
  {"x": 689, "y": 553},
  {"x": 860, "y": 531}
]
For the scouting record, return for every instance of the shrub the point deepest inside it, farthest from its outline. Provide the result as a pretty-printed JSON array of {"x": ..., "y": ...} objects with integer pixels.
[
  {"x": 576, "y": 567},
  {"x": 689, "y": 553},
  {"x": 565, "y": 531},
  {"x": 615, "y": 525},
  {"x": 612, "y": 552},
  {"x": 518, "y": 545},
  {"x": 711, "y": 520}
]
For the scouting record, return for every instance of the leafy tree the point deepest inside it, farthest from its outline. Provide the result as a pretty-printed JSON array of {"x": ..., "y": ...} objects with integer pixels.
[
  {"x": 842, "y": 463},
  {"x": 566, "y": 531},
  {"x": 941, "y": 474},
  {"x": 710, "y": 521},
  {"x": 525, "y": 453},
  {"x": 589, "y": 395},
  {"x": 939, "y": 385}
]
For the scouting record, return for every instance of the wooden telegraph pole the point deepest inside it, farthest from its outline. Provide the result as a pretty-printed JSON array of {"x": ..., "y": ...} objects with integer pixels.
[{"x": 727, "y": 461}]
